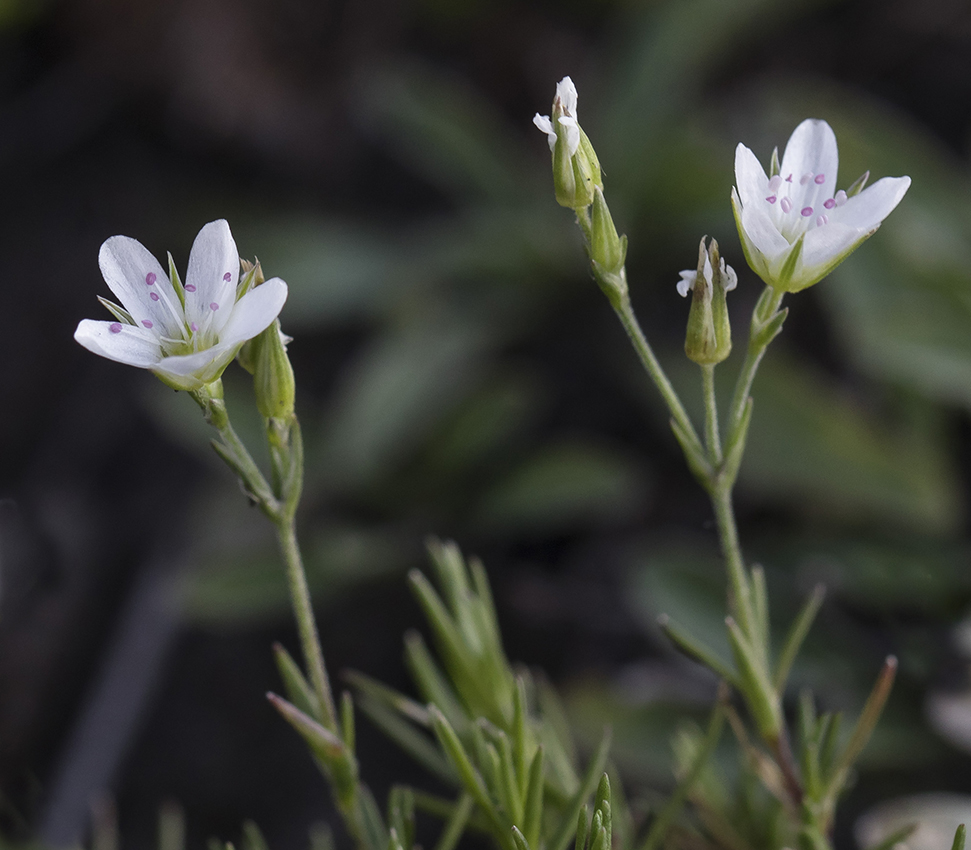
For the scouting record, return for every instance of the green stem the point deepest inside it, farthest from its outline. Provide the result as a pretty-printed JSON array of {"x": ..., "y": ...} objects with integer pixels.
[
  {"x": 304, "y": 615},
  {"x": 740, "y": 598},
  {"x": 254, "y": 480},
  {"x": 753, "y": 357},
  {"x": 712, "y": 437},
  {"x": 625, "y": 313}
]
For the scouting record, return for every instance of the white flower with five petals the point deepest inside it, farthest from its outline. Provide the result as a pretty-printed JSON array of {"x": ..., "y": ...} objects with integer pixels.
[
  {"x": 794, "y": 225},
  {"x": 186, "y": 335}
]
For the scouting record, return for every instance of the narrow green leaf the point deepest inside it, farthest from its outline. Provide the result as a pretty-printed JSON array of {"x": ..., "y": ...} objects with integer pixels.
[
  {"x": 519, "y": 736},
  {"x": 697, "y": 651},
  {"x": 830, "y": 740},
  {"x": 900, "y": 836},
  {"x": 298, "y": 688},
  {"x": 325, "y": 744},
  {"x": 959, "y": 837},
  {"x": 519, "y": 838},
  {"x": 390, "y": 697},
  {"x": 460, "y": 760},
  {"x": 455, "y": 825},
  {"x": 511, "y": 783},
  {"x": 602, "y": 803},
  {"x": 533, "y": 815},
  {"x": 252, "y": 837},
  {"x": 600, "y": 840},
  {"x": 369, "y": 816},
  {"x": 760, "y": 605},
  {"x": 347, "y": 720},
  {"x": 561, "y": 839},
  {"x": 583, "y": 828},
  {"x": 401, "y": 815},
  {"x": 413, "y": 742},
  {"x": 864, "y": 726},
  {"x": 735, "y": 444},
  {"x": 694, "y": 454},
  {"x": 797, "y": 634},
  {"x": 171, "y": 827},
  {"x": 754, "y": 684},
  {"x": 432, "y": 684},
  {"x": 672, "y": 808}
]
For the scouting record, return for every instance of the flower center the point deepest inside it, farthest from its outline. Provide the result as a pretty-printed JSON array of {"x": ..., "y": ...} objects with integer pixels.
[{"x": 799, "y": 204}]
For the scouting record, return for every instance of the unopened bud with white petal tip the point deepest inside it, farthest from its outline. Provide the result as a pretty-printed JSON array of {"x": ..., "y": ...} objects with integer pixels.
[
  {"x": 273, "y": 380},
  {"x": 576, "y": 169},
  {"x": 709, "y": 337}
]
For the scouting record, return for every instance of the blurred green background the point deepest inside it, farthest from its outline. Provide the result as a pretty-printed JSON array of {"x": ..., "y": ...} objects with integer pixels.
[{"x": 460, "y": 375}]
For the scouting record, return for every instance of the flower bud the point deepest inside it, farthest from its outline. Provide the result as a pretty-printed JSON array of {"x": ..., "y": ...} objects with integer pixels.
[
  {"x": 576, "y": 169},
  {"x": 607, "y": 249},
  {"x": 273, "y": 379},
  {"x": 709, "y": 337}
]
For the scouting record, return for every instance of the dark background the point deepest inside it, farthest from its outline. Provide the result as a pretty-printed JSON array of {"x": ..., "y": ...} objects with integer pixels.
[{"x": 460, "y": 375}]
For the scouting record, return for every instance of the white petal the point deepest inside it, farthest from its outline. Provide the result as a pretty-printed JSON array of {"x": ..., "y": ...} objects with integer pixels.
[
  {"x": 750, "y": 178},
  {"x": 544, "y": 124},
  {"x": 132, "y": 345},
  {"x": 873, "y": 204},
  {"x": 812, "y": 149},
  {"x": 213, "y": 271},
  {"x": 822, "y": 245},
  {"x": 254, "y": 312},
  {"x": 128, "y": 266},
  {"x": 687, "y": 282},
  {"x": 572, "y": 134},
  {"x": 566, "y": 93},
  {"x": 762, "y": 232}
]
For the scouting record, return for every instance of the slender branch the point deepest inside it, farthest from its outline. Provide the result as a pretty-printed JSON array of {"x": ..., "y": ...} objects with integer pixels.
[
  {"x": 304, "y": 615},
  {"x": 756, "y": 350},
  {"x": 739, "y": 597},
  {"x": 712, "y": 437},
  {"x": 625, "y": 313}
]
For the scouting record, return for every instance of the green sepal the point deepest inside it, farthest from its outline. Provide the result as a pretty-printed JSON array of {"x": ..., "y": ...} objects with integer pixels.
[
  {"x": 120, "y": 313},
  {"x": 176, "y": 281},
  {"x": 789, "y": 266},
  {"x": 519, "y": 839},
  {"x": 774, "y": 165},
  {"x": 858, "y": 185}
]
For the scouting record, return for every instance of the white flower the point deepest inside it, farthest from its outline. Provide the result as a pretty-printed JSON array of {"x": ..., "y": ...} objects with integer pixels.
[
  {"x": 565, "y": 111},
  {"x": 795, "y": 226},
  {"x": 185, "y": 335}
]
